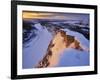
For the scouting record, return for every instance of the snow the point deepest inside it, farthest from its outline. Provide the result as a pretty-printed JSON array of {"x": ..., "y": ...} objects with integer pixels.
[
  {"x": 72, "y": 21},
  {"x": 37, "y": 49},
  {"x": 72, "y": 57},
  {"x": 38, "y": 26},
  {"x": 83, "y": 41}
]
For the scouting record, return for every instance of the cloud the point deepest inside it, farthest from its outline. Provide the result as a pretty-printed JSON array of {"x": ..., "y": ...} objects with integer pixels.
[{"x": 52, "y": 15}]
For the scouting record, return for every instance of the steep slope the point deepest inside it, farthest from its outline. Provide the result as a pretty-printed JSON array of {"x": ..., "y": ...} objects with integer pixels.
[
  {"x": 36, "y": 48},
  {"x": 59, "y": 43}
]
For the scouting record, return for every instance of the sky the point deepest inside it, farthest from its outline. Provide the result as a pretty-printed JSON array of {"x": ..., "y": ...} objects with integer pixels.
[{"x": 58, "y": 16}]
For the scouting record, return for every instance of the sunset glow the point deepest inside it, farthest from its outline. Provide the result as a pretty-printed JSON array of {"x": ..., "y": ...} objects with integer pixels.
[
  {"x": 53, "y": 15},
  {"x": 35, "y": 15}
]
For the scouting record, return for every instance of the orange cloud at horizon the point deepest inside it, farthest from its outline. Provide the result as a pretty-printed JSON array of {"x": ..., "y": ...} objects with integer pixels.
[{"x": 35, "y": 15}]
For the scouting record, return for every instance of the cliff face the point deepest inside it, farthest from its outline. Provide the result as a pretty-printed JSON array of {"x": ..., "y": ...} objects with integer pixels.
[{"x": 58, "y": 44}]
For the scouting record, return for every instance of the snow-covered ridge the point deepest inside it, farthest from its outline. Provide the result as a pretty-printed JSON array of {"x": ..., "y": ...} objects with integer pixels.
[
  {"x": 40, "y": 36},
  {"x": 59, "y": 43}
]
